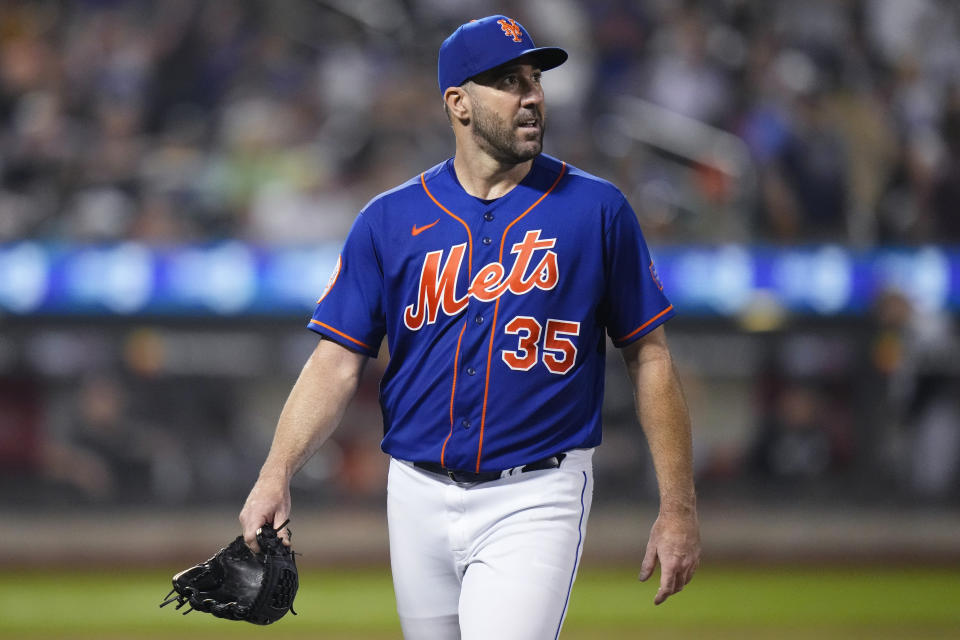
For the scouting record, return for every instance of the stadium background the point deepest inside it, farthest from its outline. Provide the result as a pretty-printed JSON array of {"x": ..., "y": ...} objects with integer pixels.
[{"x": 176, "y": 179}]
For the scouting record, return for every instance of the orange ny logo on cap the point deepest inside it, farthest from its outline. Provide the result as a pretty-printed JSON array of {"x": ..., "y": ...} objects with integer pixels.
[{"x": 511, "y": 29}]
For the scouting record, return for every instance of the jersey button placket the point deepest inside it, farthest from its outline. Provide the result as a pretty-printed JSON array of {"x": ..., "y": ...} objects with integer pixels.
[
  {"x": 484, "y": 253},
  {"x": 486, "y": 240},
  {"x": 485, "y": 256}
]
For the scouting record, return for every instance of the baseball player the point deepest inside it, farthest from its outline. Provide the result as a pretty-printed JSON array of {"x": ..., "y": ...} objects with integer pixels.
[{"x": 495, "y": 277}]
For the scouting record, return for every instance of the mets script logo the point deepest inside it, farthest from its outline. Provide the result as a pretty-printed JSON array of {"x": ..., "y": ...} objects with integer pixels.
[
  {"x": 438, "y": 285},
  {"x": 511, "y": 29}
]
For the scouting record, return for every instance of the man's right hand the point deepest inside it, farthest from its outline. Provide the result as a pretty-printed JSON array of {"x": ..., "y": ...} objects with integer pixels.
[{"x": 268, "y": 503}]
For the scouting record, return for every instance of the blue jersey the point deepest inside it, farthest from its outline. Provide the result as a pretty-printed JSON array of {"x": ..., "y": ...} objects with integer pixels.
[{"x": 495, "y": 312}]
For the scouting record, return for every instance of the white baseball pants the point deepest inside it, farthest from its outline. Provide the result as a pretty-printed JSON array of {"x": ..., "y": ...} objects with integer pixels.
[{"x": 487, "y": 560}]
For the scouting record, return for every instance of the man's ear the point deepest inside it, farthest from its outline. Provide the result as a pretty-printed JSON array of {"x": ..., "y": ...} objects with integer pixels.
[{"x": 456, "y": 103}]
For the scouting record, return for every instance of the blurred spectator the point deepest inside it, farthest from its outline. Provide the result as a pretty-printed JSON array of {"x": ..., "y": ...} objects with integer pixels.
[
  {"x": 919, "y": 352},
  {"x": 680, "y": 76},
  {"x": 793, "y": 441},
  {"x": 805, "y": 182},
  {"x": 945, "y": 196},
  {"x": 21, "y": 426},
  {"x": 98, "y": 448},
  {"x": 804, "y": 434}
]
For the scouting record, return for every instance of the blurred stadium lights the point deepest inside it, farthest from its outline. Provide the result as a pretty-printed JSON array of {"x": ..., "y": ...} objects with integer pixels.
[{"x": 232, "y": 279}]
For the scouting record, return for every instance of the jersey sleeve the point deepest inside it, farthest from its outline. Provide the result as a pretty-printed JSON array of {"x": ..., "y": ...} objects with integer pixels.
[
  {"x": 634, "y": 301},
  {"x": 350, "y": 311}
]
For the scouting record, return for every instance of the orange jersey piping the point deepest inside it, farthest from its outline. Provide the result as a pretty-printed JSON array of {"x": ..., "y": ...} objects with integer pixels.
[
  {"x": 453, "y": 391},
  {"x": 496, "y": 309},
  {"x": 343, "y": 335},
  {"x": 645, "y": 324},
  {"x": 456, "y": 355},
  {"x": 423, "y": 183}
]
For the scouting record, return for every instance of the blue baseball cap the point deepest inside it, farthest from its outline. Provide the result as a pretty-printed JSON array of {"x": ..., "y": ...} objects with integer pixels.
[{"x": 483, "y": 44}]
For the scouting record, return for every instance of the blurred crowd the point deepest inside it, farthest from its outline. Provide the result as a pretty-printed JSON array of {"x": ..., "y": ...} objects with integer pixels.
[
  {"x": 828, "y": 413},
  {"x": 753, "y": 120}
]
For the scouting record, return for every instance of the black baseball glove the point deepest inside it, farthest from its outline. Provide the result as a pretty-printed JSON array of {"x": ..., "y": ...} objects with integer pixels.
[{"x": 238, "y": 584}]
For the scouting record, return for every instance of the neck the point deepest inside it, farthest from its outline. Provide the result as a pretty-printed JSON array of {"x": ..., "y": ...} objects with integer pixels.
[{"x": 484, "y": 177}]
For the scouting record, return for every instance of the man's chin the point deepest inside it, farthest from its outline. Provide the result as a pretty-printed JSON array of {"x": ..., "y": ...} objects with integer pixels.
[{"x": 527, "y": 150}]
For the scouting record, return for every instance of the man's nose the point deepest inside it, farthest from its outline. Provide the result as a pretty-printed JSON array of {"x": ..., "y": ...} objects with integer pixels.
[{"x": 532, "y": 94}]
